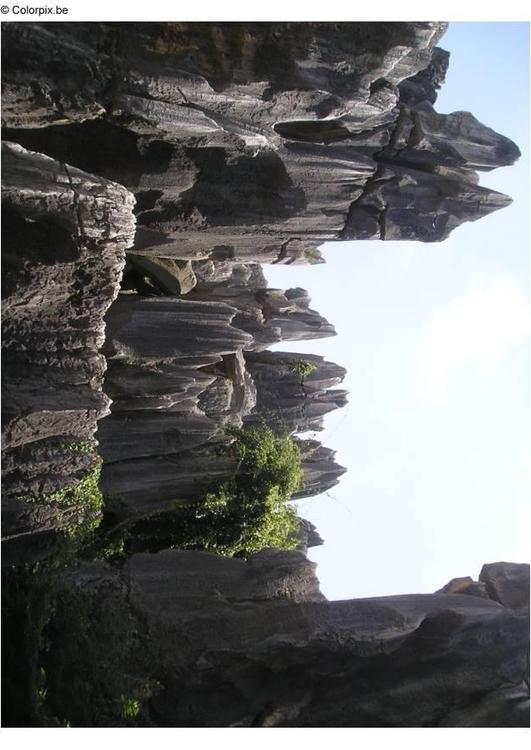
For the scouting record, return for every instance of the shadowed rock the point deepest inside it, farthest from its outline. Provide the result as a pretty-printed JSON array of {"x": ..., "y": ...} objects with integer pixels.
[
  {"x": 146, "y": 485},
  {"x": 63, "y": 250},
  {"x": 255, "y": 644},
  {"x": 507, "y": 583},
  {"x": 170, "y": 276}
]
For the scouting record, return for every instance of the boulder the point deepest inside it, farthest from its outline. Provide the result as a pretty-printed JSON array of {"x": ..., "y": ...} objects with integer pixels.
[{"x": 507, "y": 583}]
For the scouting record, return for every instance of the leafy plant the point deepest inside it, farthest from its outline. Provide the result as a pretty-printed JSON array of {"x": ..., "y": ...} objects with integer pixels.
[
  {"x": 246, "y": 513},
  {"x": 78, "y": 447},
  {"x": 129, "y": 707},
  {"x": 301, "y": 367},
  {"x": 113, "y": 550},
  {"x": 78, "y": 504}
]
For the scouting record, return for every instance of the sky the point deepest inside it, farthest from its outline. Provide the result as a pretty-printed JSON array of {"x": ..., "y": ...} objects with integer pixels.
[{"x": 435, "y": 339}]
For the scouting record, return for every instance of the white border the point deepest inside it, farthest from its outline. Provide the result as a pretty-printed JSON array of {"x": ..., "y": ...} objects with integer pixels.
[{"x": 271, "y": 10}]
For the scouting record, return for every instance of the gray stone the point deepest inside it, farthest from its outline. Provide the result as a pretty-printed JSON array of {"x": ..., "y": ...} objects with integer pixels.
[
  {"x": 254, "y": 644},
  {"x": 507, "y": 583},
  {"x": 63, "y": 252},
  {"x": 267, "y": 143}
]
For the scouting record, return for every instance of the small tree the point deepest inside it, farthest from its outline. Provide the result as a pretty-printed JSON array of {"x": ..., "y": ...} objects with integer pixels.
[{"x": 301, "y": 367}]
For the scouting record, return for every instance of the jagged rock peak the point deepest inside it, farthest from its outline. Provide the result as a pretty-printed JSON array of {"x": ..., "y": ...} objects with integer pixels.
[
  {"x": 422, "y": 88},
  {"x": 255, "y": 142},
  {"x": 285, "y": 401},
  {"x": 321, "y": 471},
  {"x": 269, "y": 315}
]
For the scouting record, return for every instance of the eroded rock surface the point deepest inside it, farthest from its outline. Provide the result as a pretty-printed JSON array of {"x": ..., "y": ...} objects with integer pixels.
[
  {"x": 228, "y": 145},
  {"x": 507, "y": 583},
  {"x": 63, "y": 250},
  {"x": 256, "y": 141},
  {"x": 242, "y": 144},
  {"x": 255, "y": 644},
  {"x": 180, "y": 370}
]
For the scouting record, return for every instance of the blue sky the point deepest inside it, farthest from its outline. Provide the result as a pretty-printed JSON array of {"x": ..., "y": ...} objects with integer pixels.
[{"x": 435, "y": 338}]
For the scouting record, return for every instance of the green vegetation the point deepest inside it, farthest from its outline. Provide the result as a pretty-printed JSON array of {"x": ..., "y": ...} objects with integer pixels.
[
  {"x": 78, "y": 505},
  {"x": 78, "y": 447},
  {"x": 112, "y": 550},
  {"x": 129, "y": 707},
  {"x": 245, "y": 514},
  {"x": 301, "y": 367}
]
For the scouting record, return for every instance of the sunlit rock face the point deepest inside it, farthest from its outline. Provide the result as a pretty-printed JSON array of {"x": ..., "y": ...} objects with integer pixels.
[
  {"x": 149, "y": 169},
  {"x": 256, "y": 141}
]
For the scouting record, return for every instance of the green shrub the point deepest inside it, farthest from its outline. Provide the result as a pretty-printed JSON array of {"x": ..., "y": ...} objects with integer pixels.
[
  {"x": 301, "y": 367},
  {"x": 78, "y": 505},
  {"x": 78, "y": 447},
  {"x": 246, "y": 513}
]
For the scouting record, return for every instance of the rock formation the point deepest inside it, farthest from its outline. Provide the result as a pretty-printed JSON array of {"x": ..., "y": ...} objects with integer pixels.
[
  {"x": 255, "y": 141},
  {"x": 63, "y": 250},
  {"x": 285, "y": 657},
  {"x": 253, "y": 643},
  {"x": 149, "y": 169},
  {"x": 234, "y": 159}
]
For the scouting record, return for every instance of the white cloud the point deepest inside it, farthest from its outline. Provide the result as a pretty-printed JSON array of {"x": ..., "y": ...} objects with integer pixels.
[{"x": 474, "y": 330}]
